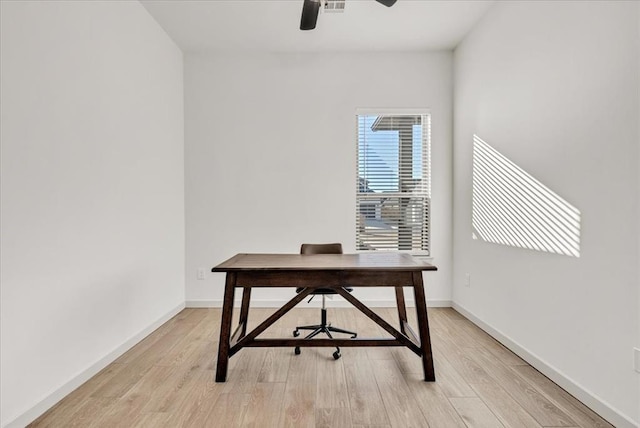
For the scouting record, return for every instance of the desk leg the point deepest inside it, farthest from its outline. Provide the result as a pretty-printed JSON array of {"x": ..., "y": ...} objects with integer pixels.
[
  {"x": 402, "y": 309},
  {"x": 225, "y": 327},
  {"x": 244, "y": 310},
  {"x": 423, "y": 327}
]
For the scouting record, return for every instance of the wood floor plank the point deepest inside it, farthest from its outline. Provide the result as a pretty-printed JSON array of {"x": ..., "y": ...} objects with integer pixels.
[
  {"x": 244, "y": 369},
  {"x": 299, "y": 405},
  {"x": 209, "y": 327},
  {"x": 122, "y": 382},
  {"x": 371, "y": 426},
  {"x": 407, "y": 361},
  {"x": 197, "y": 402},
  {"x": 475, "y": 413},
  {"x": 183, "y": 323},
  {"x": 265, "y": 404},
  {"x": 184, "y": 351},
  {"x": 121, "y": 412},
  {"x": 150, "y": 420},
  {"x": 452, "y": 383},
  {"x": 510, "y": 413},
  {"x": 331, "y": 391},
  {"x": 84, "y": 414},
  {"x": 537, "y": 405},
  {"x": 584, "y": 416},
  {"x": 454, "y": 328},
  {"x": 157, "y": 351},
  {"x": 194, "y": 315},
  {"x": 142, "y": 346},
  {"x": 300, "y": 390},
  {"x": 228, "y": 410},
  {"x": 275, "y": 367},
  {"x": 367, "y": 407},
  {"x": 303, "y": 368},
  {"x": 435, "y": 318},
  {"x": 435, "y": 406},
  {"x": 66, "y": 407},
  {"x": 452, "y": 314},
  {"x": 367, "y": 328},
  {"x": 169, "y": 396},
  {"x": 334, "y": 417},
  {"x": 483, "y": 340},
  {"x": 460, "y": 359},
  {"x": 179, "y": 326},
  {"x": 134, "y": 402},
  {"x": 401, "y": 407},
  {"x": 205, "y": 356},
  {"x": 449, "y": 379}
]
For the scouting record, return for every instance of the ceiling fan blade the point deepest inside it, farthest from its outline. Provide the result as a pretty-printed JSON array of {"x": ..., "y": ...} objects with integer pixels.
[
  {"x": 310, "y": 9},
  {"x": 387, "y": 3}
]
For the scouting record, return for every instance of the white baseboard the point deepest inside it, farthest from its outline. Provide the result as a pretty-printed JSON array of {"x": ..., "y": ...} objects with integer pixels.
[
  {"x": 49, "y": 401},
  {"x": 598, "y": 405},
  {"x": 335, "y": 303}
]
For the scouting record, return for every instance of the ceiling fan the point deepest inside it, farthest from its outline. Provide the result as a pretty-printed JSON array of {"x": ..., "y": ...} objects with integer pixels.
[{"x": 310, "y": 9}]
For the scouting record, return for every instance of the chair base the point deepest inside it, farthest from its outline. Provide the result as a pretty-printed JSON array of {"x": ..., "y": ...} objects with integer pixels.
[{"x": 325, "y": 328}]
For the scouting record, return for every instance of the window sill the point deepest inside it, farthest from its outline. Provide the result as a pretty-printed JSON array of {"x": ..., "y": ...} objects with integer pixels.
[{"x": 423, "y": 256}]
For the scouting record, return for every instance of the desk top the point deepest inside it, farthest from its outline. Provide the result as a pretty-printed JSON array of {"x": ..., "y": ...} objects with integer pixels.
[{"x": 382, "y": 261}]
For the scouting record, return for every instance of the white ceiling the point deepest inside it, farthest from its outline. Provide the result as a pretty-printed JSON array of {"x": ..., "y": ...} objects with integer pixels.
[{"x": 273, "y": 25}]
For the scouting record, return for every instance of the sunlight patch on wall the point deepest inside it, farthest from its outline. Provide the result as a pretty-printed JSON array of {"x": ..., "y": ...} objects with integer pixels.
[{"x": 510, "y": 207}]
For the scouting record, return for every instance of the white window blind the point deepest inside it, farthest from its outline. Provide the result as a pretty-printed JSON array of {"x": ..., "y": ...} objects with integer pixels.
[{"x": 393, "y": 186}]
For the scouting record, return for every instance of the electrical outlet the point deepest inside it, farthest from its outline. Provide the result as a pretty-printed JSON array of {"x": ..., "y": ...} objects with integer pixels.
[
  {"x": 467, "y": 280},
  {"x": 201, "y": 273},
  {"x": 636, "y": 359}
]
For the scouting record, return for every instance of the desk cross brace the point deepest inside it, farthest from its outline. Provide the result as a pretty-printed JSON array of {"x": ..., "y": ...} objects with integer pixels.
[{"x": 239, "y": 338}]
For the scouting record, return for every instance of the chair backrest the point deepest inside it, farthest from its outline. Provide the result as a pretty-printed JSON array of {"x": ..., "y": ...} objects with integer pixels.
[{"x": 335, "y": 248}]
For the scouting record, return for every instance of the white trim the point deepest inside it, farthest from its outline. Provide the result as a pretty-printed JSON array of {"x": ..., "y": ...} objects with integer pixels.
[
  {"x": 421, "y": 255},
  {"x": 597, "y": 404},
  {"x": 49, "y": 401},
  {"x": 392, "y": 111},
  {"x": 336, "y": 303}
]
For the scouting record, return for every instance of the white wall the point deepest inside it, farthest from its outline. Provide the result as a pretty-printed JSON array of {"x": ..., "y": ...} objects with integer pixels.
[
  {"x": 554, "y": 87},
  {"x": 92, "y": 191},
  {"x": 271, "y": 152}
]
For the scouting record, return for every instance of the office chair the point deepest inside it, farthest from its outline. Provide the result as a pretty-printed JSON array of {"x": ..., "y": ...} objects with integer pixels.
[{"x": 323, "y": 327}]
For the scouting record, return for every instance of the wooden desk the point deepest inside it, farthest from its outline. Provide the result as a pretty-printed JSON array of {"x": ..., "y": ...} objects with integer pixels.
[{"x": 336, "y": 271}]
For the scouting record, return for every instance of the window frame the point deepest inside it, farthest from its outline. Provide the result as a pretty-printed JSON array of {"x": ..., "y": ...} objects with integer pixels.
[{"x": 426, "y": 166}]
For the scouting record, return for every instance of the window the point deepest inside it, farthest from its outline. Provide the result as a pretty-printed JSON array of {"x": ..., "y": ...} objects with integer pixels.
[{"x": 393, "y": 186}]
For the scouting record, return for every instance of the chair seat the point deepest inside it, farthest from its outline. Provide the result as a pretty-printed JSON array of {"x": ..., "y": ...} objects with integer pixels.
[{"x": 324, "y": 290}]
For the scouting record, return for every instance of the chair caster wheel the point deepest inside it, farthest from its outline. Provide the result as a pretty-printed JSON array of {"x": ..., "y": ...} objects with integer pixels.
[
  {"x": 296, "y": 333},
  {"x": 297, "y": 350},
  {"x": 336, "y": 355}
]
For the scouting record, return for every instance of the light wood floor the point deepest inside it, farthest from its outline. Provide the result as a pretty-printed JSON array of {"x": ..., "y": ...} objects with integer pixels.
[{"x": 167, "y": 380}]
